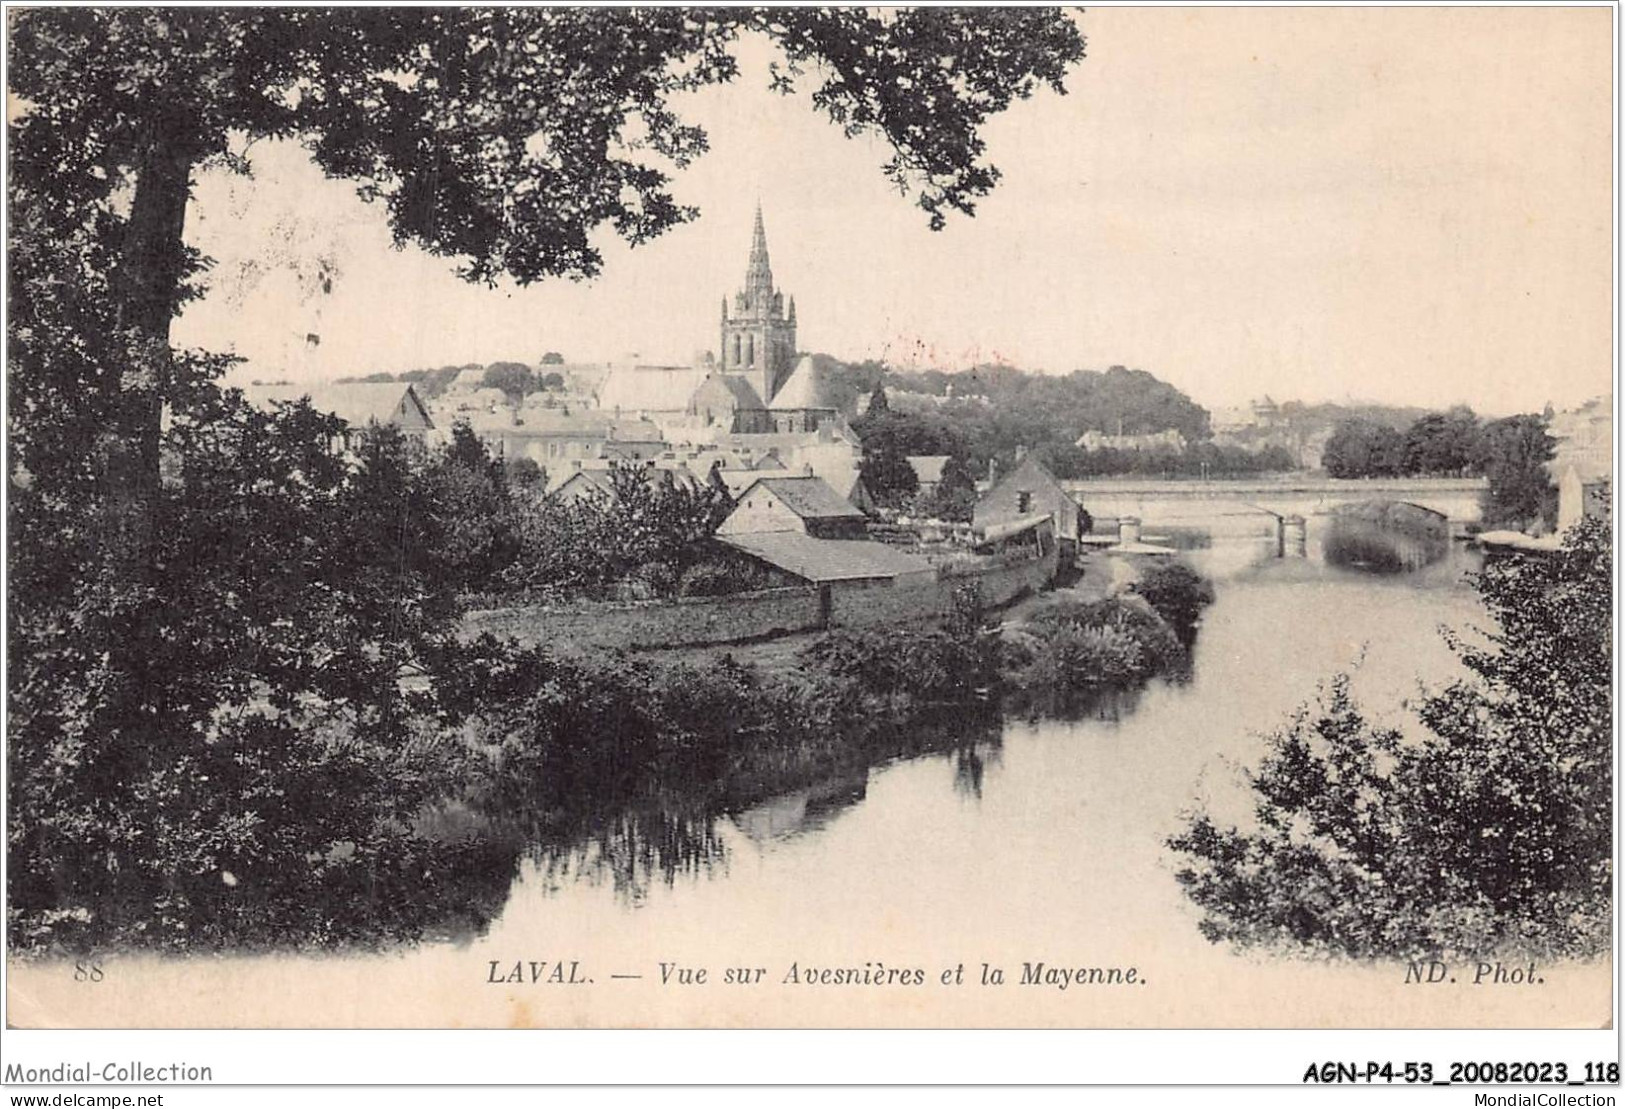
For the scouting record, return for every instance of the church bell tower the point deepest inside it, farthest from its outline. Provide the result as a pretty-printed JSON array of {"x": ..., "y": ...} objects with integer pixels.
[{"x": 759, "y": 336}]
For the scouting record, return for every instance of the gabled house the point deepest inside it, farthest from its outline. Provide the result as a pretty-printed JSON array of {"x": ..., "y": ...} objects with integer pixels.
[
  {"x": 1583, "y": 492},
  {"x": 1026, "y": 491},
  {"x": 360, "y": 404},
  {"x": 928, "y": 470},
  {"x": 775, "y": 502}
]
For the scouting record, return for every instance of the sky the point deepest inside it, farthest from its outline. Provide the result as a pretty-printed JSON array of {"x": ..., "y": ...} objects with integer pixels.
[{"x": 1403, "y": 205}]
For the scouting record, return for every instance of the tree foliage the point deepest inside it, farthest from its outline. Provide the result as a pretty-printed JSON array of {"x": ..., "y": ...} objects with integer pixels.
[
  {"x": 216, "y": 731},
  {"x": 1364, "y": 448},
  {"x": 640, "y": 536},
  {"x": 1489, "y": 833},
  {"x": 954, "y": 498},
  {"x": 1512, "y": 454}
]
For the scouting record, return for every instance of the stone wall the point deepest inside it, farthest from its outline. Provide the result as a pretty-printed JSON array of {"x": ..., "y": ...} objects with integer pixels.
[
  {"x": 686, "y": 622},
  {"x": 703, "y": 621}
]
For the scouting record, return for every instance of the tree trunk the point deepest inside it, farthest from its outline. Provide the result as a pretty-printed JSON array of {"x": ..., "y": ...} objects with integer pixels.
[{"x": 150, "y": 274}]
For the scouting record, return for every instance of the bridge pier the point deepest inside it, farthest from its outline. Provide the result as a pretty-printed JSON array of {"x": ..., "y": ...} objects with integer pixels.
[{"x": 1294, "y": 536}]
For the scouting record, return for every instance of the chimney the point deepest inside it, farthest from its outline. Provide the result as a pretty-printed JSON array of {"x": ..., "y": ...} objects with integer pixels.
[
  {"x": 1021, "y": 452},
  {"x": 806, "y": 469}
]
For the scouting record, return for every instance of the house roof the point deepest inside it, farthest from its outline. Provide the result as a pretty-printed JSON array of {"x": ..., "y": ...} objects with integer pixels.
[
  {"x": 635, "y": 431},
  {"x": 809, "y": 497},
  {"x": 598, "y": 471},
  {"x": 739, "y": 388},
  {"x": 806, "y": 387},
  {"x": 821, "y": 560},
  {"x": 928, "y": 467},
  {"x": 551, "y": 423},
  {"x": 597, "y": 480},
  {"x": 994, "y": 532},
  {"x": 357, "y": 403},
  {"x": 996, "y": 505},
  {"x": 468, "y": 380}
]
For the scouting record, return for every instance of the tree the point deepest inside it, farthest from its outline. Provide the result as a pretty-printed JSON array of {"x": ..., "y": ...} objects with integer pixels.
[
  {"x": 221, "y": 611},
  {"x": 1512, "y": 454},
  {"x": 501, "y": 136},
  {"x": 514, "y": 378},
  {"x": 552, "y": 358},
  {"x": 1441, "y": 443},
  {"x": 238, "y": 763},
  {"x": 887, "y": 473},
  {"x": 473, "y": 520},
  {"x": 954, "y": 498},
  {"x": 878, "y": 403},
  {"x": 1490, "y": 833},
  {"x": 1364, "y": 448}
]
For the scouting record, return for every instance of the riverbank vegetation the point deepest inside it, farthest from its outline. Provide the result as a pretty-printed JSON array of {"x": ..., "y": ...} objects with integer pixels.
[
  {"x": 1487, "y": 832},
  {"x": 1070, "y": 649}
]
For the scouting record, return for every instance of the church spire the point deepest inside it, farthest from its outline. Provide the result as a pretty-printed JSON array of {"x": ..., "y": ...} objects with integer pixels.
[{"x": 759, "y": 275}]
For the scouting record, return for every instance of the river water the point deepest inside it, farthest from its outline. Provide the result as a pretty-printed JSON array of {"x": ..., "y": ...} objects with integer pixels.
[
  {"x": 1027, "y": 842},
  {"x": 1045, "y": 840}
]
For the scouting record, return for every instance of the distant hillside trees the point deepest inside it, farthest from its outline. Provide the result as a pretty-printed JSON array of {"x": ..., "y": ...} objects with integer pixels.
[
  {"x": 986, "y": 413},
  {"x": 514, "y": 378}
]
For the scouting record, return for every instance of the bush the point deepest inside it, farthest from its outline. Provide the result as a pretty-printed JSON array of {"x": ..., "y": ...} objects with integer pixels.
[
  {"x": 1177, "y": 593},
  {"x": 1489, "y": 833}
]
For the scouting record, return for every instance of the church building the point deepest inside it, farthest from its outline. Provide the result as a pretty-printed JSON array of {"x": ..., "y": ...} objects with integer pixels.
[{"x": 759, "y": 338}]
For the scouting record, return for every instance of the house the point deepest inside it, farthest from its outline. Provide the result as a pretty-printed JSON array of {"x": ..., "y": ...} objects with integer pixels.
[
  {"x": 1034, "y": 535},
  {"x": 801, "y": 503},
  {"x": 928, "y": 470},
  {"x": 582, "y": 485},
  {"x": 360, "y": 404},
  {"x": 1168, "y": 440},
  {"x": 1026, "y": 491},
  {"x": 548, "y": 437},
  {"x": 634, "y": 440},
  {"x": 659, "y": 393},
  {"x": 1583, "y": 493},
  {"x": 579, "y": 478},
  {"x": 846, "y": 562}
]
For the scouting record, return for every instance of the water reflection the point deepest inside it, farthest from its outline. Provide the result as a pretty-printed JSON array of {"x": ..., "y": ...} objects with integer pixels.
[
  {"x": 1382, "y": 540},
  {"x": 1359, "y": 582},
  {"x": 634, "y": 850}
]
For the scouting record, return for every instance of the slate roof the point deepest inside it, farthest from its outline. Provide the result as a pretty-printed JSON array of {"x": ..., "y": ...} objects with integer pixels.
[
  {"x": 821, "y": 560},
  {"x": 740, "y": 388},
  {"x": 635, "y": 431},
  {"x": 995, "y": 532},
  {"x": 548, "y": 422},
  {"x": 806, "y": 387},
  {"x": 357, "y": 403},
  {"x": 928, "y": 467},
  {"x": 809, "y": 497}
]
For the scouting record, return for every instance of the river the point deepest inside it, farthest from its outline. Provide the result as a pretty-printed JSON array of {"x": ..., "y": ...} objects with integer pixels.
[
  {"x": 1048, "y": 838},
  {"x": 1033, "y": 841}
]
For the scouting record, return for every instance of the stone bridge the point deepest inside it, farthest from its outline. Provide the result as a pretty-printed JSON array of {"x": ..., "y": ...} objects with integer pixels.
[{"x": 1173, "y": 502}]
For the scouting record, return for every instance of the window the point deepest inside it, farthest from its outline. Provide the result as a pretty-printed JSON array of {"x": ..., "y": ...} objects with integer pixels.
[{"x": 1024, "y": 501}]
